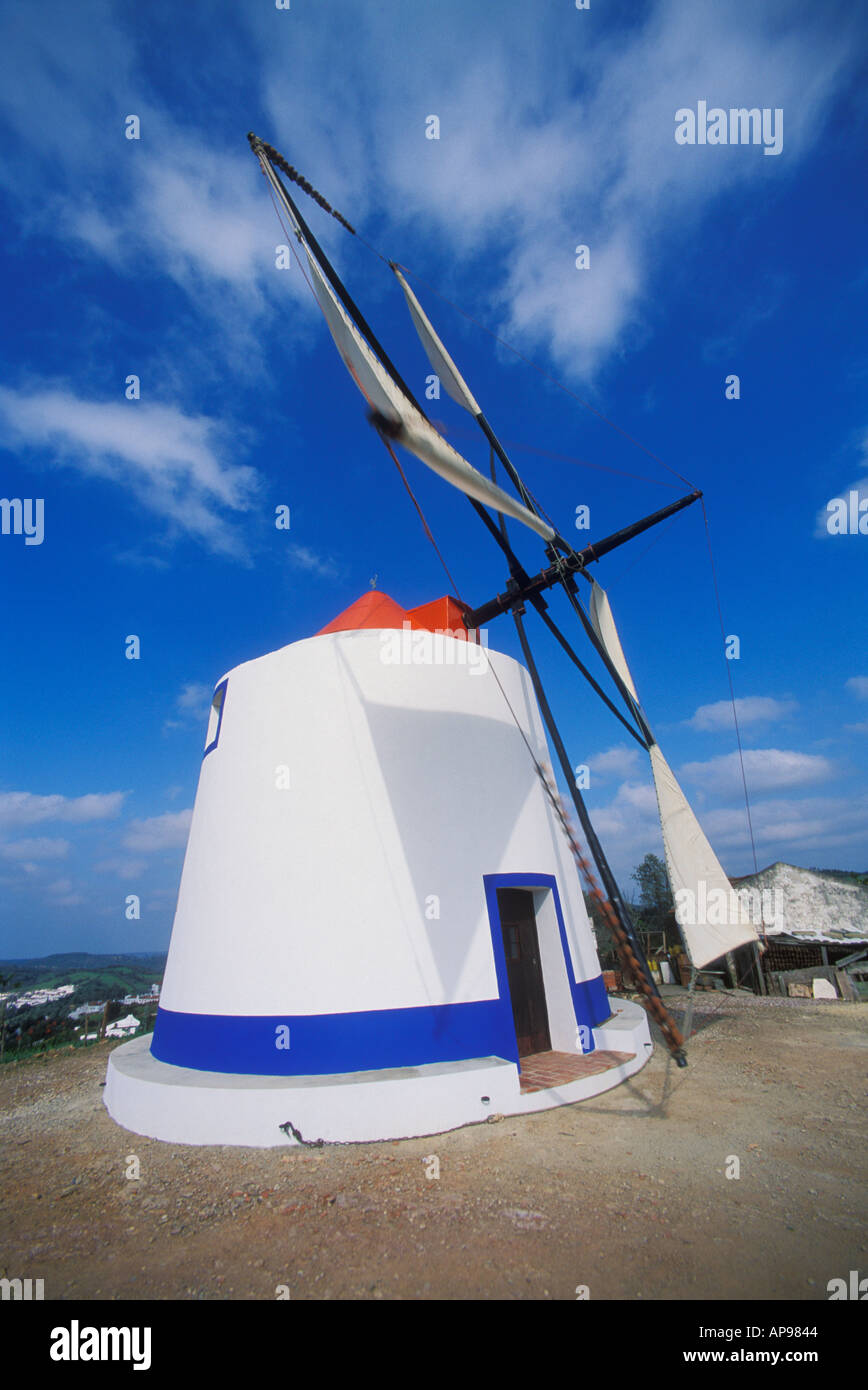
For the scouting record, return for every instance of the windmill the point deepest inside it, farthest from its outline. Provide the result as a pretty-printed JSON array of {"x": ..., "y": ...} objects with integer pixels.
[{"x": 321, "y": 984}]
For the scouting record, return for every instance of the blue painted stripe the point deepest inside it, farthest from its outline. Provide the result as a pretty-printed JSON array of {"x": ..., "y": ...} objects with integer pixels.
[
  {"x": 374, "y": 1040},
  {"x": 322, "y": 1044},
  {"x": 591, "y": 1003}
]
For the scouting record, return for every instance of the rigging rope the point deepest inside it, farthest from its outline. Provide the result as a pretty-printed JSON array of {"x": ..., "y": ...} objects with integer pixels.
[
  {"x": 568, "y": 458},
  {"x": 277, "y": 158},
  {"x": 428, "y": 531}
]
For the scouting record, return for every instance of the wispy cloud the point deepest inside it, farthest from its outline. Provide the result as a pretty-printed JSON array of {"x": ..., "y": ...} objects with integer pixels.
[
  {"x": 555, "y": 135},
  {"x": 178, "y": 201},
  {"x": 26, "y": 808},
  {"x": 858, "y": 685},
  {"x": 811, "y": 824},
  {"x": 766, "y": 769},
  {"x": 620, "y": 761},
  {"x": 168, "y": 831},
  {"x": 62, "y": 894},
  {"x": 751, "y": 710},
  {"x": 552, "y": 134},
  {"x": 173, "y": 463},
  {"x": 42, "y": 848},
  {"x": 301, "y": 557},
  {"x": 124, "y": 868},
  {"x": 192, "y": 705}
]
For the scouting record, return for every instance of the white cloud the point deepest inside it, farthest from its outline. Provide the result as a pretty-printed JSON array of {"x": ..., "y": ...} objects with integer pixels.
[
  {"x": 620, "y": 761},
  {"x": 194, "y": 700},
  {"x": 552, "y": 133},
  {"x": 42, "y": 848},
  {"x": 193, "y": 704},
  {"x": 859, "y": 686},
  {"x": 303, "y": 558},
  {"x": 25, "y": 808},
  {"x": 123, "y": 868},
  {"x": 170, "y": 461},
  {"x": 168, "y": 831},
  {"x": 629, "y": 828},
  {"x": 176, "y": 202},
  {"x": 752, "y": 709},
  {"x": 766, "y": 769},
  {"x": 781, "y": 826},
  {"x": 62, "y": 894}
]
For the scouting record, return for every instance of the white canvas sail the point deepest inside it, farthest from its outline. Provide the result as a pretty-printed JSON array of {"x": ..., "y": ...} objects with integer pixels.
[
  {"x": 604, "y": 626},
  {"x": 408, "y": 426},
  {"x": 369, "y": 374},
  {"x": 436, "y": 353},
  {"x": 707, "y": 909}
]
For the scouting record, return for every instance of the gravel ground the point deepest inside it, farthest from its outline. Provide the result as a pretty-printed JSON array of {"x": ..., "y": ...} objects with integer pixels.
[{"x": 625, "y": 1193}]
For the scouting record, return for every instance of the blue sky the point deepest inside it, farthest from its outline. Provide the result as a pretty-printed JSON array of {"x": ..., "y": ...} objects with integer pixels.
[{"x": 156, "y": 257}]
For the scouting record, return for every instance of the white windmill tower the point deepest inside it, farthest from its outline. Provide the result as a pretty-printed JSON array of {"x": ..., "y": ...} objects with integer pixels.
[
  {"x": 380, "y": 930},
  {"x": 378, "y": 911}
]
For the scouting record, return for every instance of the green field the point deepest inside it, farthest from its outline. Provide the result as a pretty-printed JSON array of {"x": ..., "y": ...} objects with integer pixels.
[{"x": 97, "y": 979}]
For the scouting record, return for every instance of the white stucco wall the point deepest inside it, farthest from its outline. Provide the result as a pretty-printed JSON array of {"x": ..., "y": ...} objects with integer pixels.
[{"x": 405, "y": 781}]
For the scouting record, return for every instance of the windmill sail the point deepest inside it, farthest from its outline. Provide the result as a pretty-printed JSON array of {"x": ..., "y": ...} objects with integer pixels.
[
  {"x": 436, "y": 353},
  {"x": 707, "y": 909},
  {"x": 604, "y": 626},
  {"x": 399, "y": 416}
]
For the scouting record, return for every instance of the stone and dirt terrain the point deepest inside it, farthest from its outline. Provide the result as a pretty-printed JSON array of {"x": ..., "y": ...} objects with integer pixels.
[{"x": 626, "y": 1194}]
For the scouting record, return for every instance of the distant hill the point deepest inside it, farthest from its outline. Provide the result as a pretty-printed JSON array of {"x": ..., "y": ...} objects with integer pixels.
[
  {"x": 97, "y": 980},
  {"x": 94, "y": 976}
]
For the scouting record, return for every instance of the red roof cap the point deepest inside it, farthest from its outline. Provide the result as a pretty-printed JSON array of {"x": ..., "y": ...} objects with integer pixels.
[{"x": 377, "y": 610}]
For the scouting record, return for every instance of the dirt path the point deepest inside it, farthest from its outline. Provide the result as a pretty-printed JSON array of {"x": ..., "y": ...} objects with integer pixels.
[{"x": 625, "y": 1193}]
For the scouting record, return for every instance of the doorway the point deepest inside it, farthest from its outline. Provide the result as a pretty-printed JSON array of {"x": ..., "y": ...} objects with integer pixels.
[{"x": 524, "y": 970}]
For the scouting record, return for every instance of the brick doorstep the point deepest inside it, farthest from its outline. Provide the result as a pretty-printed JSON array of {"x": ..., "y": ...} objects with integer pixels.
[{"x": 542, "y": 1070}]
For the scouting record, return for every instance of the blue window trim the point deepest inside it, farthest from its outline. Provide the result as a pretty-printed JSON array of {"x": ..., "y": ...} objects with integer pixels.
[{"x": 213, "y": 744}]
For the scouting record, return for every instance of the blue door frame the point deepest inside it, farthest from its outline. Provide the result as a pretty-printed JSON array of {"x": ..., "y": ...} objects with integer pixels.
[{"x": 590, "y": 1000}]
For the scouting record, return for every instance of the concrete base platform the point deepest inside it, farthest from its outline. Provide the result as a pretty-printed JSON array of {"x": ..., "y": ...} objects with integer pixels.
[{"x": 182, "y": 1106}]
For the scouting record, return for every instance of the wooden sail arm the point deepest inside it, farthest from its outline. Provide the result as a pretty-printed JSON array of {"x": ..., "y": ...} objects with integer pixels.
[{"x": 572, "y": 564}]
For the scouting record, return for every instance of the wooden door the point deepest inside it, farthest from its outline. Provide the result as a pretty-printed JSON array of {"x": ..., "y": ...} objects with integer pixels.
[{"x": 524, "y": 970}]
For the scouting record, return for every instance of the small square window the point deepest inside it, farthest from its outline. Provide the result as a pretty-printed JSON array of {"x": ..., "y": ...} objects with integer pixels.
[{"x": 215, "y": 718}]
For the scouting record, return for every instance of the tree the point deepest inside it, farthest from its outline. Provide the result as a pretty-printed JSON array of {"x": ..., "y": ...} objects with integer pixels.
[
  {"x": 5, "y": 982},
  {"x": 656, "y": 905}
]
